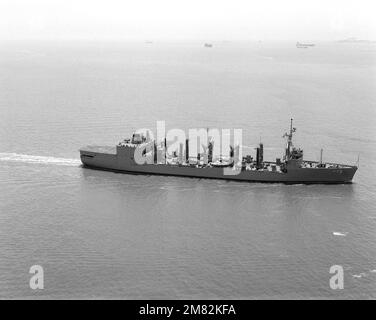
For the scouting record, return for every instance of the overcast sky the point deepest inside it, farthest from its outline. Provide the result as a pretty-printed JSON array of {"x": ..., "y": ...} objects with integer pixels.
[{"x": 188, "y": 19}]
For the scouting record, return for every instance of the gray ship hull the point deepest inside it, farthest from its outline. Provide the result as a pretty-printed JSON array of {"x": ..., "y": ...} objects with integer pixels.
[{"x": 107, "y": 158}]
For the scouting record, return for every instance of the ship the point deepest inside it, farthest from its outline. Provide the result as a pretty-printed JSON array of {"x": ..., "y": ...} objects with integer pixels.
[
  {"x": 304, "y": 45},
  {"x": 290, "y": 169}
]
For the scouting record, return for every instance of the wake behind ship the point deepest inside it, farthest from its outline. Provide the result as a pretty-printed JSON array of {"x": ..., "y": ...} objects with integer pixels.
[{"x": 290, "y": 169}]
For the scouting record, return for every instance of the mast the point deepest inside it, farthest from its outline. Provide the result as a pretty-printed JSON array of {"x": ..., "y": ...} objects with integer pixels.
[
  {"x": 290, "y": 135},
  {"x": 186, "y": 150},
  {"x": 165, "y": 150},
  {"x": 321, "y": 150},
  {"x": 289, "y": 140}
]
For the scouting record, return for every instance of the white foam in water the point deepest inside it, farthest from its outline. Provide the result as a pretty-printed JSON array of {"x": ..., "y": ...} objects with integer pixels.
[
  {"x": 342, "y": 234},
  {"x": 16, "y": 157},
  {"x": 360, "y": 275}
]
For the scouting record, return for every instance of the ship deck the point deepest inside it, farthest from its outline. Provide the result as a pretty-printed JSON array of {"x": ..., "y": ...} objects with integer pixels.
[{"x": 99, "y": 149}]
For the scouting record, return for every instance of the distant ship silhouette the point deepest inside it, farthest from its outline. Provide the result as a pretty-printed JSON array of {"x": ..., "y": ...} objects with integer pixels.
[{"x": 304, "y": 45}]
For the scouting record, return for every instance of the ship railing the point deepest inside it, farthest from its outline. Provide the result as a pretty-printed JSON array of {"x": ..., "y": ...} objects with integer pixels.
[
  {"x": 339, "y": 165},
  {"x": 342, "y": 165}
]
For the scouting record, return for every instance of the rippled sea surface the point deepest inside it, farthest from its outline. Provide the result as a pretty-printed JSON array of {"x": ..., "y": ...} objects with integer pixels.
[{"x": 106, "y": 235}]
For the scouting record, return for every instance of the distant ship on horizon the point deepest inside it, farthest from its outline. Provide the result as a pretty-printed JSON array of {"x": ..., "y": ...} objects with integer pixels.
[
  {"x": 355, "y": 40},
  {"x": 304, "y": 45}
]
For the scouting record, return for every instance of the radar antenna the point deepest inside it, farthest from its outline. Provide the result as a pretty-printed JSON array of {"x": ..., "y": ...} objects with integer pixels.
[{"x": 289, "y": 139}]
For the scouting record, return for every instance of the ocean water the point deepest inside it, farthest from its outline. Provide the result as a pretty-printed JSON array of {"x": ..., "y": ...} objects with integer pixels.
[{"x": 106, "y": 235}]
